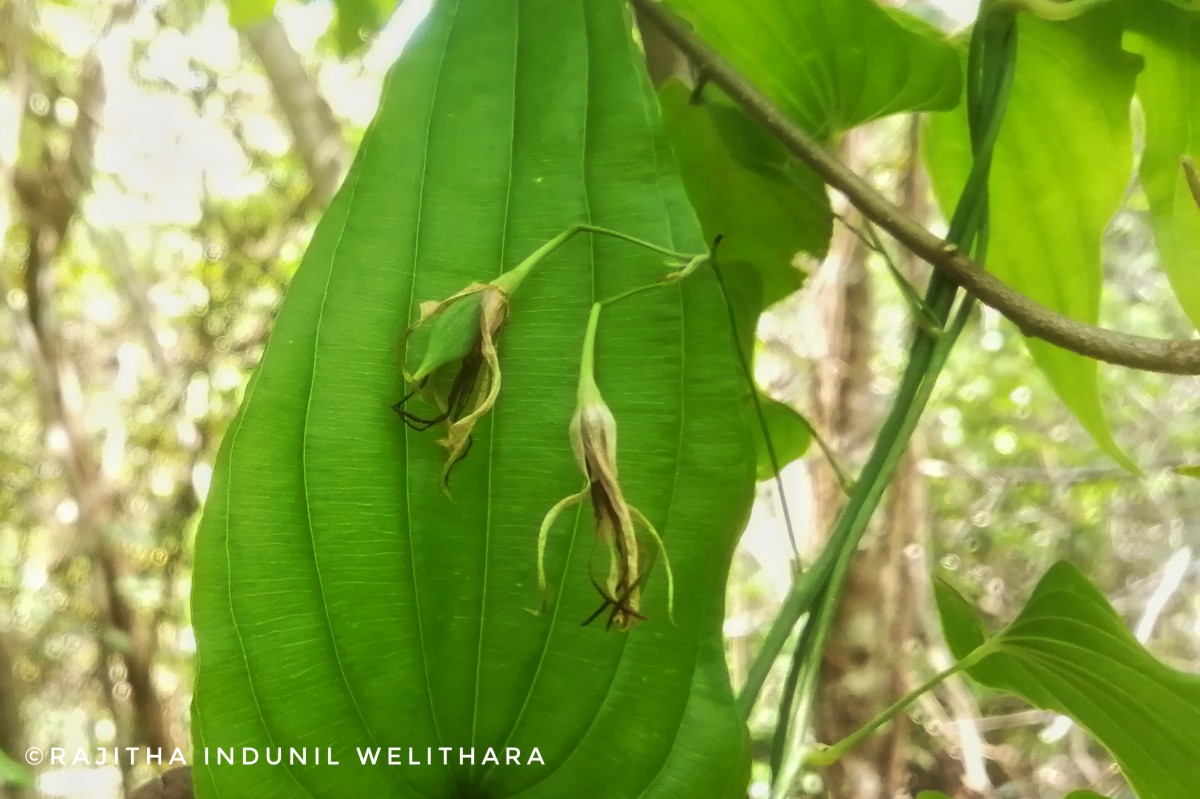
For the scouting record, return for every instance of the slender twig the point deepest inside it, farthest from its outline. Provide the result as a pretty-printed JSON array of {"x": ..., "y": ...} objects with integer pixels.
[
  {"x": 828, "y": 755},
  {"x": 1170, "y": 356}
]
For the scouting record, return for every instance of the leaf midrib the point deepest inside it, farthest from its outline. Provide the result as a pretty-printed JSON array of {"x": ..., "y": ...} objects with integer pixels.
[
  {"x": 408, "y": 433},
  {"x": 495, "y": 418}
]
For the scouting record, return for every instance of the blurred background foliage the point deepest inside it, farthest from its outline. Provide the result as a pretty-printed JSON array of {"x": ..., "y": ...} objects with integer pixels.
[{"x": 160, "y": 173}]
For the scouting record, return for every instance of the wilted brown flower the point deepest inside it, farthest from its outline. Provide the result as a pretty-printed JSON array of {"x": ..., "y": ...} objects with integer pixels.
[
  {"x": 594, "y": 442},
  {"x": 461, "y": 350}
]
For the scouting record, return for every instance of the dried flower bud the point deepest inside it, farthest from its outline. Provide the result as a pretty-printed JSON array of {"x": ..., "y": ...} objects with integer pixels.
[
  {"x": 461, "y": 349},
  {"x": 462, "y": 345},
  {"x": 594, "y": 442}
]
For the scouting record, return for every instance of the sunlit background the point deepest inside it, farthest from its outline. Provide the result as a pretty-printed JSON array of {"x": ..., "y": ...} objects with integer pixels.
[{"x": 144, "y": 257}]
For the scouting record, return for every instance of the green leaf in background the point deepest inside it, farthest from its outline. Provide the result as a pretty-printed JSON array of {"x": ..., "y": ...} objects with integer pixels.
[
  {"x": 1188, "y": 471},
  {"x": 1069, "y": 652},
  {"x": 791, "y": 436},
  {"x": 1168, "y": 88},
  {"x": 961, "y": 625},
  {"x": 244, "y": 13},
  {"x": 743, "y": 189},
  {"x": 13, "y": 773},
  {"x": 1061, "y": 168},
  {"x": 1071, "y": 795},
  {"x": 354, "y": 20},
  {"x": 339, "y": 599},
  {"x": 358, "y": 20},
  {"x": 831, "y": 64}
]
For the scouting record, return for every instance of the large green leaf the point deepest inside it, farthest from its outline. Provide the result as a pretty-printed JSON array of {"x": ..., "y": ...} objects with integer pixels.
[
  {"x": 831, "y": 64},
  {"x": 1168, "y": 88},
  {"x": 1061, "y": 166},
  {"x": 1069, "y": 652},
  {"x": 339, "y": 599},
  {"x": 744, "y": 189}
]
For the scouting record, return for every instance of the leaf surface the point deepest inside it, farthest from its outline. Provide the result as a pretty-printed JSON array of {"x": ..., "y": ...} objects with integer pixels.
[
  {"x": 1061, "y": 167},
  {"x": 1069, "y": 652},
  {"x": 831, "y": 65},
  {"x": 744, "y": 189},
  {"x": 1168, "y": 89},
  {"x": 791, "y": 436},
  {"x": 339, "y": 599}
]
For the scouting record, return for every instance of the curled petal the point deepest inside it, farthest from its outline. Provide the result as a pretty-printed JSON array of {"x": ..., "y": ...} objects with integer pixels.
[
  {"x": 662, "y": 550},
  {"x": 493, "y": 314},
  {"x": 544, "y": 532},
  {"x": 429, "y": 309},
  {"x": 460, "y": 349},
  {"x": 623, "y": 578}
]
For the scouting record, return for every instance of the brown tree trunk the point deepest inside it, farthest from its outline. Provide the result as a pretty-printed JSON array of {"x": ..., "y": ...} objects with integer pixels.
[{"x": 864, "y": 668}]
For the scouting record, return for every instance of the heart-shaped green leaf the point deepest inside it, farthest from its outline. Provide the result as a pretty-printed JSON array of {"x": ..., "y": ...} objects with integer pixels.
[
  {"x": 745, "y": 190},
  {"x": 340, "y": 600},
  {"x": 1069, "y": 652},
  {"x": 831, "y": 64}
]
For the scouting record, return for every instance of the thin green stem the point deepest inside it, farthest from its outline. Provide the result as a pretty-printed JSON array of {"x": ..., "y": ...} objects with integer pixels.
[
  {"x": 993, "y": 36},
  {"x": 513, "y": 277},
  {"x": 588, "y": 390},
  {"x": 828, "y": 755},
  {"x": 681, "y": 256},
  {"x": 845, "y": 482},
  {"x": 624, "y": 295},
  {"x": 921, "y": 312},
  {"x": 758, "y": 410},
  {"x": 519, "y": 272},
  {"x": 1168, "y": 356},
  {"x": 991, "y": 65},
  {"x": 693, "y": 263}
]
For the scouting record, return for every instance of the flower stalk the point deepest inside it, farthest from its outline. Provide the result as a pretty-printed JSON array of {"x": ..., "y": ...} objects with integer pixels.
[
  {"x": 460, "y": 368},
  {"x": 461, "y": 351}
]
